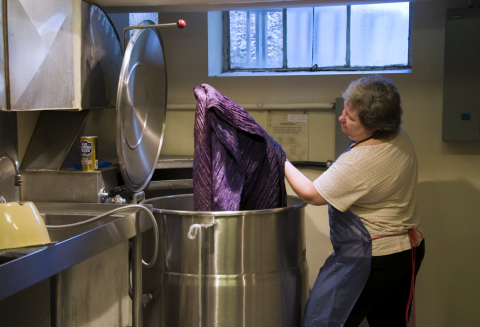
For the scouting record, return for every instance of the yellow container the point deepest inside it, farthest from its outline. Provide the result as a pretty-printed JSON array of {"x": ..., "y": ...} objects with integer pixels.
[
  {"x": 89, "y": 153},
  {"x": 21, "y": 226}
]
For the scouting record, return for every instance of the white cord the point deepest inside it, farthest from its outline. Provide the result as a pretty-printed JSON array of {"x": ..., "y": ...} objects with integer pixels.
[
  {"x": 111, "y": 212},
  {"x": 196, "y": 229}
]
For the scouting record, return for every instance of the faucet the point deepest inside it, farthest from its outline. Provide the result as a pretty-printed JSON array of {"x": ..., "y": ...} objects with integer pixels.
[{"x": 18, "y": 176}]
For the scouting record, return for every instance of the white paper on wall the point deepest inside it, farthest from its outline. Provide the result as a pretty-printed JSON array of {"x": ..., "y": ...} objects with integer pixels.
[{"x": 291, "y": 132}]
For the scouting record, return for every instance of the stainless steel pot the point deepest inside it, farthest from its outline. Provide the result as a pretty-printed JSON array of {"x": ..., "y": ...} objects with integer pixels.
[{"x": 244, "y": 268}]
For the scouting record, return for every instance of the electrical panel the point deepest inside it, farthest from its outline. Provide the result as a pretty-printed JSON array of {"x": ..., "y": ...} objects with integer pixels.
[{"x": 461, "y": 82}]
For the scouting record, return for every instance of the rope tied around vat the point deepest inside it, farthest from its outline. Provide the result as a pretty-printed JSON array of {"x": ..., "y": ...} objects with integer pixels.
[{"x": 196, "y": 229}]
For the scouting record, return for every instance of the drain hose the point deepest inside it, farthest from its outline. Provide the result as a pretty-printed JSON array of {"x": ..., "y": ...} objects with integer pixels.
[{"x": 111, "y": 212}]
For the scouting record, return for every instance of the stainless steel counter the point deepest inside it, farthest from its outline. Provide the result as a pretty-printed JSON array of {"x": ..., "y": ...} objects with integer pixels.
[
  {"x": 166, "y": 162},
  {"x": 172, "y": 162},
  {"x": 74, "y": 245}
]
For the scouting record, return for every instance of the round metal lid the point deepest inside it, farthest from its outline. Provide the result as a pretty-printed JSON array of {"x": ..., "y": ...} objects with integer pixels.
[{"x": 141, "y": 107}]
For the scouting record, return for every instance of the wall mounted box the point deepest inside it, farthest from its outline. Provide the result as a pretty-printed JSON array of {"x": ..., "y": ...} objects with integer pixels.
[
  {"x": 461, "y": 83},
  {"x": 75, "y": 186}
]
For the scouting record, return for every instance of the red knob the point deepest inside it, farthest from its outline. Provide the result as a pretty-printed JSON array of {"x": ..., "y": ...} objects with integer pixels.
[{"x": 181, "y": 23}]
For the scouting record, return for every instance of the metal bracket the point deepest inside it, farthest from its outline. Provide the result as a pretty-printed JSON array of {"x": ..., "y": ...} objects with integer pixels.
[
  {"x": 180, "y": 24},
  {"x": 138, "y": 197},
  {"x": 260, "y": 107},
  {"x": 147, "y": 297}
]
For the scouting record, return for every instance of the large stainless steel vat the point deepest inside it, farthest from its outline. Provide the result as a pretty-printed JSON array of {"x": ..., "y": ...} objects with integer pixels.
[{"x": 253, "y": 266}]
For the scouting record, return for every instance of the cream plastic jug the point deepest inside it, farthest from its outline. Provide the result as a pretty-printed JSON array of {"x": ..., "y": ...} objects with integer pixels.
[{"x": 21, "y": 225}]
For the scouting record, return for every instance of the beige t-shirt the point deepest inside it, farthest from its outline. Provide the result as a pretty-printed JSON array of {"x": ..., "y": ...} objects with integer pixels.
[{"x": 377, "y": 183}]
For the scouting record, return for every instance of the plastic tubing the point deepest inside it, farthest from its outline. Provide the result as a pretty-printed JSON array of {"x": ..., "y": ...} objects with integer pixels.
[{"x": 111, "y": 212}]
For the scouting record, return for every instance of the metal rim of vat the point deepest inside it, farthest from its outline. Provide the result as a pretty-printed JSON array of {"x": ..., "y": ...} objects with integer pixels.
[{"x": 222, "y": 214}]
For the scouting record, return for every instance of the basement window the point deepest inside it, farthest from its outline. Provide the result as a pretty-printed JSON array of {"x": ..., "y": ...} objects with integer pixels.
[{"x": 353, "y": 38}]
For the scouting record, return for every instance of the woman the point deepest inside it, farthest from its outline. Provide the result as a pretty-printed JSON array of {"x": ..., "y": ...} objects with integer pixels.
[{"x": 374, "y": 227}]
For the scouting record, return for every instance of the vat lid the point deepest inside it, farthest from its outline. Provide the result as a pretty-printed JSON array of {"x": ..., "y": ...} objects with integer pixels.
[{"x": 141, "y": 107}]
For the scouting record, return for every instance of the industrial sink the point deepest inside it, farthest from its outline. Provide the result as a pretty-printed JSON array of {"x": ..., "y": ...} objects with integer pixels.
[{"x": 22, "y": 268}]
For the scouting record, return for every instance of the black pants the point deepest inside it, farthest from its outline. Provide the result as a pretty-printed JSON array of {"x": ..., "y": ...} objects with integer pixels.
[{"x": 385, "y": 295}]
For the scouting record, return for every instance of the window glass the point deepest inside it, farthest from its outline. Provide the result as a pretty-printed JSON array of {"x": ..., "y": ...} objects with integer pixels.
[
  {"x": 351, "y": 37},
  {"x": 239, "y": 47},
  {"x": 275, "y": 39},
  {"x": 256, "y": 39},
  {"x": 299, "y": 37},
  {"x": 379, "y": 34},
  {"x": 330, "y": 42}
]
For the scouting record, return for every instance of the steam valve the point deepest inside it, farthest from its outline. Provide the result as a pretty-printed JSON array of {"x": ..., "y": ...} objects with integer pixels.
[{"x": 112, "y": 196}]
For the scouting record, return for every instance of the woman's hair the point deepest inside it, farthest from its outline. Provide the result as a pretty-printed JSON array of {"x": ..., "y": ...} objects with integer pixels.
[{"x": 377, "y": 103}]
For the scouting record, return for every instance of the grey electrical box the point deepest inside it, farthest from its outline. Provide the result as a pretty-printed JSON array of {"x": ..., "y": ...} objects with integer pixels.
[{"x": 461, "y": 82}]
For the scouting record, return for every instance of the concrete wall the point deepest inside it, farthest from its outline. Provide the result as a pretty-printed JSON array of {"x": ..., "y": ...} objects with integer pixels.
[{"x": 448, "y": 291}]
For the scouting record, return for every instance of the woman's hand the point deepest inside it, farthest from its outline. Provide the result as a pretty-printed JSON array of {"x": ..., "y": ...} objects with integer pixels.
[{"x": 302, "y": 186}]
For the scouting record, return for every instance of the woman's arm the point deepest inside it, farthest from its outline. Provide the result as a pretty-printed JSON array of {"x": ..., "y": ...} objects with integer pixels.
[{"x": 302, "y": 186}]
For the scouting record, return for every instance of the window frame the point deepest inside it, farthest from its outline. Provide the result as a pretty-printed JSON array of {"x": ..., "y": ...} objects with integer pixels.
[{"x": 314, "y": 69}]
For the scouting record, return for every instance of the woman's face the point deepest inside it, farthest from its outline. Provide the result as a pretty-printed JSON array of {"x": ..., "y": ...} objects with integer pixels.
[{"x": 352, "y": 126}]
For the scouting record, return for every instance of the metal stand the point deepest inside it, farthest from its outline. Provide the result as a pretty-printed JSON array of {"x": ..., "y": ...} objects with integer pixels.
[
  {"x": 137, "y": 317},
  {"x": 137, "y": 287},
  {"x": 56, "y": 300}
]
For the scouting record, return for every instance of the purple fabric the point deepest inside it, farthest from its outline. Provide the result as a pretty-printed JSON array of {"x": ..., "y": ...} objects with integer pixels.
[{"x": 236, "y": 164}]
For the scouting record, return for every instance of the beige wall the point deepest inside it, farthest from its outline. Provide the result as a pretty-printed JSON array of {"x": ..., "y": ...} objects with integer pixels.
[{"x": 448, "y": 290}]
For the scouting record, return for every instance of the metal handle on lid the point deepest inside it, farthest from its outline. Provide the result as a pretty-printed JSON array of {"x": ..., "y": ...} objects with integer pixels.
[{"x": 180, "y": 24}]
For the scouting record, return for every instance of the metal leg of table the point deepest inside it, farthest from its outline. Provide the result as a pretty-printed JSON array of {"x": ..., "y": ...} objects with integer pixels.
[
  {"x": 137, "y": 318},
  {"x": 56, "y": 300}
]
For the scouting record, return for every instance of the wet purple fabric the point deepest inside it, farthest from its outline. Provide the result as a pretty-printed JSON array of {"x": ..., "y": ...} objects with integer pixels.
[{"x": 236, "y": 164}]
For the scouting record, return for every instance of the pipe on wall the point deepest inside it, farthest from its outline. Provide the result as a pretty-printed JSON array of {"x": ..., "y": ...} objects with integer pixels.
[{"x": 262, "y": 106}]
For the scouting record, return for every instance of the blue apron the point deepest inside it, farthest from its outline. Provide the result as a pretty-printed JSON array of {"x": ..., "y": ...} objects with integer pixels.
[{"x": 344, "y": 274}]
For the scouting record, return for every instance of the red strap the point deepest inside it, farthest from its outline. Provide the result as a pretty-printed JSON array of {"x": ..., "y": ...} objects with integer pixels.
[{"x": 415, "y": 235}]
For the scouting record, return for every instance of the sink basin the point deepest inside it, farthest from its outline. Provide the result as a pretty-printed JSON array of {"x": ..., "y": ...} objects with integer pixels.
[
  {"x": 55, "y": 214},
  {"x": 50, "y": 214},
  {"x": 56, "y": 219},
  {"x": 71, "y": 246}
]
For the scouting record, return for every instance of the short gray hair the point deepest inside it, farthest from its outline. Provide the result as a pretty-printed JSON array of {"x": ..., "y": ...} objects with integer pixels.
[{"x": 377, "y": 103}]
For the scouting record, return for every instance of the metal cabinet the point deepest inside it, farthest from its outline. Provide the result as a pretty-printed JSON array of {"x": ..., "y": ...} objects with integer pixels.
[{"x": 461, "y": 99}]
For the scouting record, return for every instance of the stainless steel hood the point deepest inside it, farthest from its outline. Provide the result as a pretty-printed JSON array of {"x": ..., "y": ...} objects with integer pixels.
[{"x": 58, "y": 55}]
